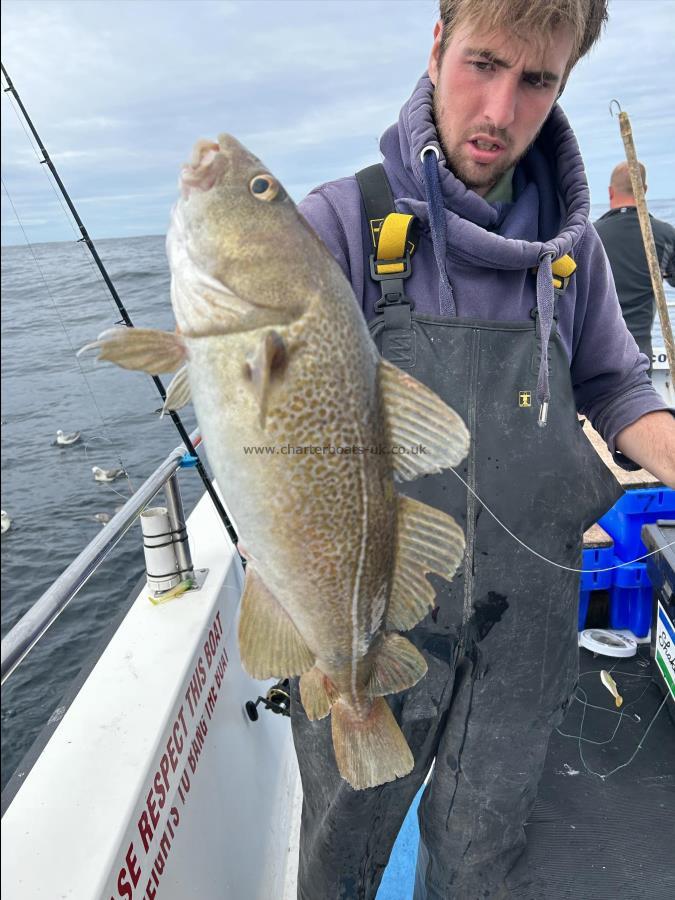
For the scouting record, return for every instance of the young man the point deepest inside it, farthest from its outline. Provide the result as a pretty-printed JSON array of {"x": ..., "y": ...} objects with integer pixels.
[
  {"x": 620, "y": 233},
  {"x": 488, "y": 165}
]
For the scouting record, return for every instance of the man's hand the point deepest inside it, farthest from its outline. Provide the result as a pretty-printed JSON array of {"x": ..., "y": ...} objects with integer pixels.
[{"x": 650, "y": 442}]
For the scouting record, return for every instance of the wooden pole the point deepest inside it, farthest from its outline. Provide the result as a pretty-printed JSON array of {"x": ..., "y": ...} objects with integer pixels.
[{"x": 648, "y": 240}]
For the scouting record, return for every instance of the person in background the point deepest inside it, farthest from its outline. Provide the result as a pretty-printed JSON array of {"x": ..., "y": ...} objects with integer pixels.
[
  {"x": 509, "y": 313},
  {"x": 619, "y": 231}
]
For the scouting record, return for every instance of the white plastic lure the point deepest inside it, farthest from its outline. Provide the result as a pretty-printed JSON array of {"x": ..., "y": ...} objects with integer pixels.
[{"x": 610, "y": 684}]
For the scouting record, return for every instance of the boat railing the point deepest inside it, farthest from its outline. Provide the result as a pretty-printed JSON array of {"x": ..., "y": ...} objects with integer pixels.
[{"x": 21, "y": 639}]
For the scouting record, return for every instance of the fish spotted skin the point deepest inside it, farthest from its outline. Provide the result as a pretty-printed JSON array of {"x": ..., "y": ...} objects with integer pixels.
[{"x": 299, "y": 414}]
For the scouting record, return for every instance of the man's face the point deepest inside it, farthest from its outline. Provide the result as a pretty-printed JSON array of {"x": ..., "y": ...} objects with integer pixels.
[{"x": 492, "y": 94}]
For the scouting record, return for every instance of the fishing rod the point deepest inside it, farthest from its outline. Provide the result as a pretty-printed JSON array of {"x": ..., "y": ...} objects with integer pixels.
[{"x": 126, "y": 318}]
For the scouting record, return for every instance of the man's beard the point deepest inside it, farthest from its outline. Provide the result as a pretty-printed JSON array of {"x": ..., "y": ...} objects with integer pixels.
[{"x": 461, "y": 170}]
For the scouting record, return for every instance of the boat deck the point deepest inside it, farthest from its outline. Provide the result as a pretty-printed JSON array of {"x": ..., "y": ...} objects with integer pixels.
[{"x": 591, "y": 837}]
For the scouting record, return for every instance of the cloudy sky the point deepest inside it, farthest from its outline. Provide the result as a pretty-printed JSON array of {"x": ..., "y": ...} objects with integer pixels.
[{"x": 120, "y": 89}]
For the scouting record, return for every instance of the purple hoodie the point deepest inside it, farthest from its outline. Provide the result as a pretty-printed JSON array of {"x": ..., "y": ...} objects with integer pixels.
[{"x": 491, "y": 249}]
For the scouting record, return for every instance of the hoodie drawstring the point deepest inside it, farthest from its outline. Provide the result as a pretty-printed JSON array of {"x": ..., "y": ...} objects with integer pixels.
[
  {"x": 432, "y": 186},
  {"x": 545, "y": 309}
]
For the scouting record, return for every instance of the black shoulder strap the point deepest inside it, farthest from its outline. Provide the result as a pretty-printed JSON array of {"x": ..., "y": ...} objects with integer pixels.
[
  {"x": 377, "y": 197},
  {"x": 398, "y": 338}
]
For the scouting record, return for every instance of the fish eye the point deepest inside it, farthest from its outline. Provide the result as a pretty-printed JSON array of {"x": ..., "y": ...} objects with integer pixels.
[{"x": 264, "y": 187}]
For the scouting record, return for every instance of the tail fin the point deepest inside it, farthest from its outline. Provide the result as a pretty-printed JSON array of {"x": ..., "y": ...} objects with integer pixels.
[{"x": 369, "y": 751}]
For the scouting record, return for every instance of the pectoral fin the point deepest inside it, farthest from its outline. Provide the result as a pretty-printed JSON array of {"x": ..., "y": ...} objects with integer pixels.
[
  {"x": 178, "y": 392},
  {"x": 428, "y": 540},
  {"x": 270, "y": 644},
  {"x": 141, "y": 349},
  {"x": 262, "y": 366},
  {"x": 433, "y": 436}
]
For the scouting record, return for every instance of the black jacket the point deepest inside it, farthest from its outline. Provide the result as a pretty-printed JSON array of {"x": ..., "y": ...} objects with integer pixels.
[{"x": 619, "y": 231}]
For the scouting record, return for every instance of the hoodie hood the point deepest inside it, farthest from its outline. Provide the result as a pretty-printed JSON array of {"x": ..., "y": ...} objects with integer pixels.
[{"x": 554, "y": 217}]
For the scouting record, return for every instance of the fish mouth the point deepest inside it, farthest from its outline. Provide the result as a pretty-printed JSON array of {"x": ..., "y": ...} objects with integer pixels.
[
  {"x": 209, "y": 162},
  {"x": 204, "y": 169}
]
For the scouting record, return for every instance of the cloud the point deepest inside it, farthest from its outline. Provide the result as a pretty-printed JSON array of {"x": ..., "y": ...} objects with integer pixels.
[
  {"x": 28, "y": 221},
  {"x": 92, "y": 154},
  {"x": 318, "y": 126},
  {"x": 161, "y": 195},
  {"x": 94, "y": 123}
]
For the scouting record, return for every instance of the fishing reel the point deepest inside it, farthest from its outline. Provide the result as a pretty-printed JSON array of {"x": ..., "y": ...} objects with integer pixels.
[{"x": 277, "y": 700}]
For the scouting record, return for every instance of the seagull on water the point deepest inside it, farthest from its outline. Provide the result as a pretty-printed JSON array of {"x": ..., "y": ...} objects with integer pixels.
[
  {"x": 106, "y": 474},
  {"x": 5, "y": 521},
  {"x": 103, "y": 517},
  {"x": 65, "y": 440}
]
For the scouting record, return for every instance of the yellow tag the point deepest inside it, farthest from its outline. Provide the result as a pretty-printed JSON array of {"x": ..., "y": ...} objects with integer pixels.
[
  {"x": 563, "y": 267},
  {"x": 173, "y": 593},
  {"x": 562, "y": 270},
  {"x": 392, "y": 241},
  {"x": 524, "y": 399}
]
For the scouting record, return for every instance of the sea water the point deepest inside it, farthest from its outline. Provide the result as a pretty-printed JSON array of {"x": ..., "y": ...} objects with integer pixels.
[{"x": 53, "y": 303}]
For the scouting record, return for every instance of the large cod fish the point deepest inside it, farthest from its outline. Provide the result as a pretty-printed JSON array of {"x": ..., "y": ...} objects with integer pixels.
[{"x": 306, "y": 428}]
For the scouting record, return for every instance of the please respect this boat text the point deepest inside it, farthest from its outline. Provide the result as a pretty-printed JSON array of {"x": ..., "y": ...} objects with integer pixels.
[{"x": 168, "y": 790}]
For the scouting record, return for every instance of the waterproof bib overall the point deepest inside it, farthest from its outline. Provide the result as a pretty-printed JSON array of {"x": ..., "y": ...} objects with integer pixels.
[{"x": 501, "y": 642}]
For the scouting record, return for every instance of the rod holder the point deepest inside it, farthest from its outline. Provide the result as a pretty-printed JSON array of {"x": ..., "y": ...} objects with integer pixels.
[
  {"x": 161, "y": 562},
  {"x": 174, "y": 506}
]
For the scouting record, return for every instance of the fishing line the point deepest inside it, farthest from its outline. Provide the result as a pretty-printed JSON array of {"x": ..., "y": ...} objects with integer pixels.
[
  {"x": 37, "y": 156},
  {"x": 622, "y": 715},
  {"x": 67, "y": 336},
  {"x": 545, "y": 558},
  {"x": 605, "y": 775},
  {"x": 612, "y": 712},
  {"x": 586, "y": 705}
]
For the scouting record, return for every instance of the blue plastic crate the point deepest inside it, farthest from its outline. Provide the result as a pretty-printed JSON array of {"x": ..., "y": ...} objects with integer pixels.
[
  {"x": 594, "y": 559},
  {"x": 630, "y": 599},
  {"x": 625, "y": 519}
]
